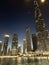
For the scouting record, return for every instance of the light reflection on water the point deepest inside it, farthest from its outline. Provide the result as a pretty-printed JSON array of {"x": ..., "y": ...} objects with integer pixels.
[{"x": 23, "y": 61}]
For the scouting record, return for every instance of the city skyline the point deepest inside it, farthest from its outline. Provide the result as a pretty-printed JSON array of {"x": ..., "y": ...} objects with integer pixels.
[
  {"x": 24, "y": 43},
  {"x": 15, "y": 17}
]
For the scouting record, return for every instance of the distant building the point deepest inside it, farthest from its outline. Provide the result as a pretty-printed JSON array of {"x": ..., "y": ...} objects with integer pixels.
[
  {"x": 14, "y": 44},
  {"x": 0, "y": 47},
  {"x": 41, "y": 29},
  {"x": 5, "y": 44},
  {"x": 24, "y": 46},
  {"x": 19, "y": 49},
  {"x": 9, "y": 51},
  {"x": 28, "y": 39},
  {"x": 34, "y": 41}
]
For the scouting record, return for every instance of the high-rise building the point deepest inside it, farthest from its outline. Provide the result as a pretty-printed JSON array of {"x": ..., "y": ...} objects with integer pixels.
[
  {"x": 9, "y": 51},
  {"x": 47, "y": 43},
  {"x": 28, "y": 39},
  {"x": 5, "y": 44},
  {"x": 15, "y": 44},
  {"x": 0, "y": 47},
  {"x": 34, "y": 40},
  {"x": 41, "y": 29},
  {"x": 24, "y": 46},
  {"x": 19, "y": 48},
  {"x": 40, "y": 25}
]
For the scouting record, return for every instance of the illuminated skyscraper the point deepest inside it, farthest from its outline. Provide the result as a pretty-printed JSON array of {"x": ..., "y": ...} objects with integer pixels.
[
  {"x": 5, "y": 44},
  {"x": 28, "y": 39},
  {"x": 41, "y": 29},
  {"x": 34, "y": 40},
  {"x": 24, "y": 46},
  {"x": 15, "y": 44},
  {"x": 0, "y": 47}
]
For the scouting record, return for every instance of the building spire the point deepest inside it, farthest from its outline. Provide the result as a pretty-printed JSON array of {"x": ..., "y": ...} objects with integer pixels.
[
  {"x": 41, "y": 28},
  {"x": 40, "y": 25}
]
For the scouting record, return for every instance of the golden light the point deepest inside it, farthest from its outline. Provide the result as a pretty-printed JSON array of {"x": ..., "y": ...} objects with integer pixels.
[
  {"x": 42, "y": 1},
  {"x": 8, "y": 56},
  {"x": 0, "y": 41},
  {"x": 19, "y": 45},
  {"x": 6, "y": 35}
]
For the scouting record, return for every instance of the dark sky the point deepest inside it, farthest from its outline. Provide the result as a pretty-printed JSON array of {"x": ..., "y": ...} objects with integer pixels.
[{"x": 15, "y": 16}]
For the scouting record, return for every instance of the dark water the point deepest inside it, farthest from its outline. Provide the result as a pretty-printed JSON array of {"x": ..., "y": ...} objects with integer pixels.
[{"x": 23, "y": 61}]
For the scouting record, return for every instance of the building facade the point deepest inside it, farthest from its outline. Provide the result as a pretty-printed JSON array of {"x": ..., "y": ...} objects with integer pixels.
[
  {"x": 28, "y": 39},
  {"x": 14, "y": 44},
  {"x": 19, "y": 49},
  {"x": 24, "y": 46},
  {"x": 41, "y": 29},
  {"x": 5, "y": 47},
  {"x": 34, "y": 40},
  {"x": 0, "y": 47}
]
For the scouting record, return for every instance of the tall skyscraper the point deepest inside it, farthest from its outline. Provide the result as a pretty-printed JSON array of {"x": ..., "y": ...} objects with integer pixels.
[
  {"x": 41, "y": 29},
  {"x": 28, "y": 39},
  {"x": 34, "y": 40},
  {"x": 0, "y": 47},
  {"x": 15, "y": 44},
  {"x": 5, "y": 44},
  {"x": 24, "y": 46}
]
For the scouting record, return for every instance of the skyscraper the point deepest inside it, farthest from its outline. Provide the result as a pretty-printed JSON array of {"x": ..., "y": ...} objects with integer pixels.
[
  {"x": 28, "y": 39},
  {"x": 15, "y": 44},
  {"x": 41, "y": 29},
  {"x": 24, "y": 46},
  {"x": 34, "y": 40},
  {"x": 0, "y": 47},
  {"x": 5, "y": 44}
]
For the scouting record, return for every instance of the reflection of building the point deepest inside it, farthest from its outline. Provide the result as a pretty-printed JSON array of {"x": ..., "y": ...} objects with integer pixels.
[
  {"x": 24, "y": 46},
  {"x": 15, "y": 44},
  {"x": 5, "y": 44},
  {"x": 41, "y": 29},
  {"x": 34, "y": 40},
  {"x": 28, "y": 39},
  {"x": 0, "y": 47}
]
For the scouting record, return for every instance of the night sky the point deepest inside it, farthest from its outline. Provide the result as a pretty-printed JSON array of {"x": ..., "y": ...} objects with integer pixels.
[{"x": 15, "y": 16}]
